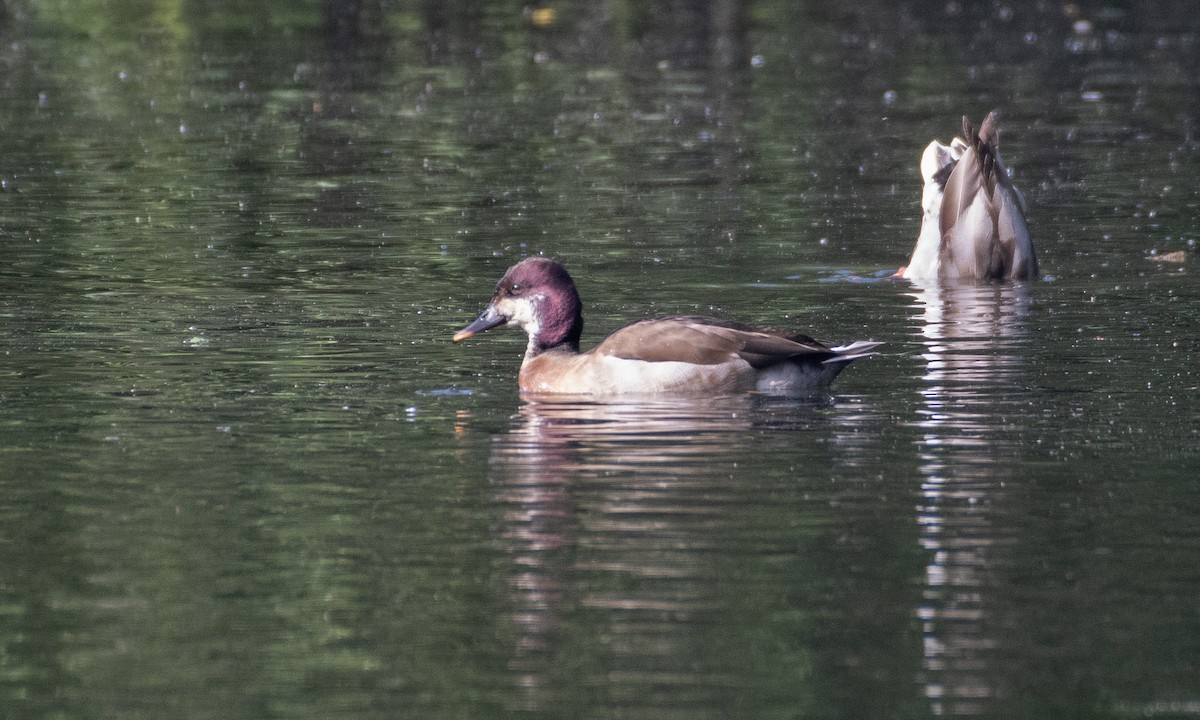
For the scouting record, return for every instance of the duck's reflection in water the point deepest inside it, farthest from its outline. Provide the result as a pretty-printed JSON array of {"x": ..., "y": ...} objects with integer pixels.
[
  {"x": 609, "y": 516},
  {"x": 589, "y": 490},
  {"x": 975, "y": 343}
]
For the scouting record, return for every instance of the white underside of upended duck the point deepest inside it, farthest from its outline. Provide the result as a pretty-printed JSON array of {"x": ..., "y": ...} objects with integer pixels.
[{"x": 973, "y": 219}]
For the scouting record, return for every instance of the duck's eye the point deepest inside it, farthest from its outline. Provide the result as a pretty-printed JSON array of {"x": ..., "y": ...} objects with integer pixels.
[{"x": 516, "y": 288}]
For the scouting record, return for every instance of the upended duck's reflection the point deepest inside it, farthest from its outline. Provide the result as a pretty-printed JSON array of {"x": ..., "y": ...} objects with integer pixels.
[
  {"x": 608, "y": 516},
  {"x": 975, "y": 340}
]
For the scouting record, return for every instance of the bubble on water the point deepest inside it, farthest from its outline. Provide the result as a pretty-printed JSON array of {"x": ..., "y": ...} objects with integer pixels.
[{"x": 452, "y": 391}]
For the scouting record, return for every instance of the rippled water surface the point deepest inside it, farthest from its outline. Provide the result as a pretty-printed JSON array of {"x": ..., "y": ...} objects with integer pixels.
[{"x": 246, "y": 474}]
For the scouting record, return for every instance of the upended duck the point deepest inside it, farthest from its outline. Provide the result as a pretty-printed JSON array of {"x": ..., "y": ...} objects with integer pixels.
[
  {"x": 973, "y": 226},
  {"x": 683, "y": 356}
]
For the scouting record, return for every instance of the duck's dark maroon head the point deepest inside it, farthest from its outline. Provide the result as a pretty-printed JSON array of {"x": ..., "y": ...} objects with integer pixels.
[{"x": 539, "y": 295}]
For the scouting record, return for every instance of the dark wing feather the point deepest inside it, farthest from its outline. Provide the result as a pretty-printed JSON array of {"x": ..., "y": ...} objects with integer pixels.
[
  {"x": 707, "y": 341},
  {"x": 958, "y": 243}
]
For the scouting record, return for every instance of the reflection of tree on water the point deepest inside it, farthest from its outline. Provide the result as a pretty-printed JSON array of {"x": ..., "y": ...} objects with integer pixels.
[{"x": 973, "y": 335}]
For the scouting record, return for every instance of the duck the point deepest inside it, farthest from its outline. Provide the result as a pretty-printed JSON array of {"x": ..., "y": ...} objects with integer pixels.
[
  {"x": 973, "y": 218},
  {"x": 680, "y": 356}
]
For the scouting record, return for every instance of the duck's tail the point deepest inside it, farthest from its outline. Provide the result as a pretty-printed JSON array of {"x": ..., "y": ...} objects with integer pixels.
[{"x": 853, "y": 351}]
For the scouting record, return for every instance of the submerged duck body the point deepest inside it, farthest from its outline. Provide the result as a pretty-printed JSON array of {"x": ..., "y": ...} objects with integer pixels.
[
  {"x": 973, "y": 225},
  {"x": 693, "y": 356}
]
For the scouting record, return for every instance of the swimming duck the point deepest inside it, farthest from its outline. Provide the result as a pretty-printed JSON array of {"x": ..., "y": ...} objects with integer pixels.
[
  {"x": 692, "y": 356},
  {"x": 973, "y": 226}
]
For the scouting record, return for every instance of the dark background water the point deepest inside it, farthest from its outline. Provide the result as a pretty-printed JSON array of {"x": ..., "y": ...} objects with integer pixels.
[{"x": 245, "y": 473}]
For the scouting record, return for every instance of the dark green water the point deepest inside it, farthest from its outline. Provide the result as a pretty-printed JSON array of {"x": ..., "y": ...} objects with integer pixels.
[{"x": 245, "y": 474}]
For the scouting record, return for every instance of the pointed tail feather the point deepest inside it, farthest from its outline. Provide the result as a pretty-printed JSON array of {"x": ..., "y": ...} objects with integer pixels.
[{"x": 853, "y": 351}]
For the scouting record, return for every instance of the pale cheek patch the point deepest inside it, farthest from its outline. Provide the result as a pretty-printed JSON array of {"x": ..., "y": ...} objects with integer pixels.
[{"x": 522, "y": 312}]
